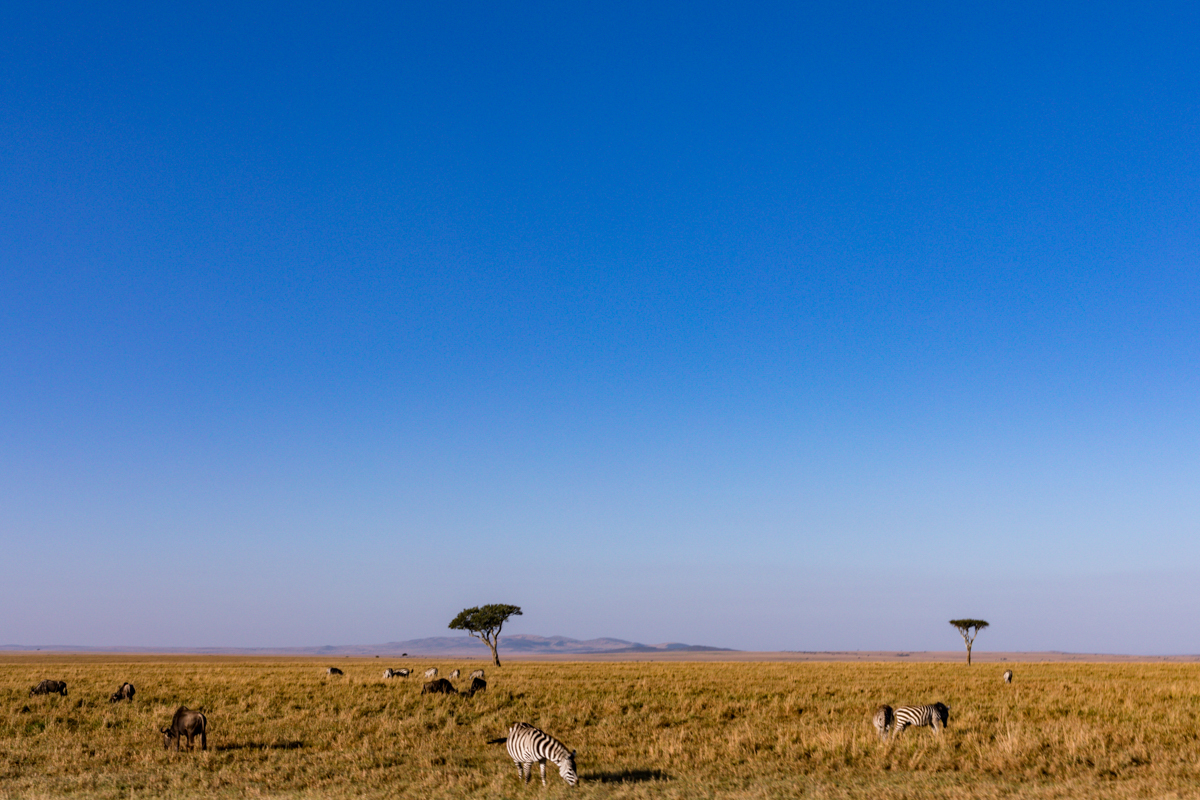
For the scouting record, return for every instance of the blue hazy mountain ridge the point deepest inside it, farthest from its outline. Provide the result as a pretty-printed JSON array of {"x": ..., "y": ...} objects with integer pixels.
[{"x": 519, "y": 644}]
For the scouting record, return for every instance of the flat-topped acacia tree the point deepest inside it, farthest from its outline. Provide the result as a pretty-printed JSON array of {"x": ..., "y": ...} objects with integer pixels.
[
  {"x": 969, "y": 629},
  {"x": 485, "y": 624}
]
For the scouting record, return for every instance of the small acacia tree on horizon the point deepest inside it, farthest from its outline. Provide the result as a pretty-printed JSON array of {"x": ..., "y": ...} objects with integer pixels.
[
  {"x": 969, "y": 629},
  {"x": 485, "y": 624}
]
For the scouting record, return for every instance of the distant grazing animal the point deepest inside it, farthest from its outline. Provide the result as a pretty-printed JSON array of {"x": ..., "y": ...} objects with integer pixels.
[
  {"x": 455, "y": 675},
  {"x": 440, "y": 686},
  {"x": 936, "y": 716},
  {"x": 883, "y": 719},
  {"x": 186, "y": 723},
  {"x": 476, "y": 674},
  {"x": 477, "y": 685},
  {"x": 334, "y": 671},
  {"x": 431, "y": 672},
  {"x": 526, "y": 744},
  {"x": 395, "y": 673},
  {"x": 49, "y": 687},
  {"x": 1008, "y": 676},
  {"x": 124, "y": 693}
]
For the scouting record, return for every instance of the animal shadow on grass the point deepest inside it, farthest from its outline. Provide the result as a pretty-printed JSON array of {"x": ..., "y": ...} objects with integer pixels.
[
  {"x": 628, "y": 776},
  {"x": 261, "y": 746}
]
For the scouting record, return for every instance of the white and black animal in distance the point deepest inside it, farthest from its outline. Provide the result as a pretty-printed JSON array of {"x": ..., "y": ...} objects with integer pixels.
[
  {"x": 883, "y": 719},
  {"x": 935, "y": 716},
  {"x": 189, "y": 723},
  {"x": 455, "y": 674},
  {"x": 1008, "y": 676},
  {"x": 431, "y": 672},
  {"x": 124, "y": 693},
  {"x": 49, "y": 687},
  {"x": 440, "y": 686},
  {"x": 476, "y": 674},
  {"x": 526, "y": 744},
  {"x": 396, "y": 673},
  {"x": 334, "y": 671}
]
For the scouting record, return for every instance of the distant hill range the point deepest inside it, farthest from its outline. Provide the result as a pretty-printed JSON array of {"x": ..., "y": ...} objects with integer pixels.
[{"x": 516, "y": 644}]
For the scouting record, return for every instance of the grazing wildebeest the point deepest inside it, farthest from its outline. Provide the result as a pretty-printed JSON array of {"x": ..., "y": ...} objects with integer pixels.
[
  {"x": 186, "y": 723},
  {"x": 476, "y": 674},
  {"x": 1008, "y": 676},
  {"x": 124, "y": 693},
  {"x": 49, "y": 687},
  {"x": 883, "y": 720},
  {"x": 431, "y": 672},
  {"x": 440, "y": 686},
  {"x": 334, "y": 671},
  {"x": 477, "y": 685},
  {"x": 455, "y": 675}
]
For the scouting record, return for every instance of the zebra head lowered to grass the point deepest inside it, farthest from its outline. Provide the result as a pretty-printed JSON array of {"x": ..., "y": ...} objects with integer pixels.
[
  {"x": 882, "y": 720},
  {"x": 936, "y": 716},
  {"x": 526, "y": 744}
]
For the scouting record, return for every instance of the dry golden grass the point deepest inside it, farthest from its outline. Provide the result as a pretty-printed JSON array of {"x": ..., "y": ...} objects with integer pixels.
[{"x": 280, "y": 727}]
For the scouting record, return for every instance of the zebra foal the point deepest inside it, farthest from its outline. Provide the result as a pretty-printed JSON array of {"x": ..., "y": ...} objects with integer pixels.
[
  {"x": 526, "y": 744},
  {"x": 936, "y": 716}
]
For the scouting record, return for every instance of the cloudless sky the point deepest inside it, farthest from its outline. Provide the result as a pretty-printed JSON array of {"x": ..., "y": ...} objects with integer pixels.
[{"x": 795, "y": 326}]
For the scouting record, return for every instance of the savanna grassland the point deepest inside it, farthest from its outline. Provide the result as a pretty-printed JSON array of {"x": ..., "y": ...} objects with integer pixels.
[{"x": 281, "y": 727}]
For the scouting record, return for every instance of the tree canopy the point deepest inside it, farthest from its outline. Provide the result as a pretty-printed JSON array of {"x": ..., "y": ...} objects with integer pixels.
[
  {"x": 969, "y": 629},
  {"x": 484, "y": 623}
]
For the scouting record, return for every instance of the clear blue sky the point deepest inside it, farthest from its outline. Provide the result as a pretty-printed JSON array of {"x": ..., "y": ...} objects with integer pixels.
[{"x": 771, "y": 327}]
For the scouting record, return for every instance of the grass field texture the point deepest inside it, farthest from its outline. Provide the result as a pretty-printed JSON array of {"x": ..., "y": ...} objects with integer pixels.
[{"x": 280, "y": 727}]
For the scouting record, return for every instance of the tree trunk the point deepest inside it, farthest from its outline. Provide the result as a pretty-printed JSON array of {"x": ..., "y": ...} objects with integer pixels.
[
  {"x": 495, "y": 654},
  {"x": 968, "y": 655}
]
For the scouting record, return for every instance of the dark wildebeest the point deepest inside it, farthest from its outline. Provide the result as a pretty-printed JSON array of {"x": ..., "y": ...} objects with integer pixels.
[
  {"x": 334, "y": 671},
  {"x": 49, "y": 687},
  {"x": 477, "y": 685},
  {"x": 440, "y": 686},
  {"x": 186, "y": 723},
  {"x": 124, "y": 693}
]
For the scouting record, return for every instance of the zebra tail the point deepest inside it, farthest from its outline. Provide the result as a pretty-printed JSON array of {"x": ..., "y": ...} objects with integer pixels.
[{"x": 498, "y": 741}]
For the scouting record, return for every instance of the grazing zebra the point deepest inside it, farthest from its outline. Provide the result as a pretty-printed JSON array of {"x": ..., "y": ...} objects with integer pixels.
[
  {"x": 526, "y": 744},
  {"x": 1008, "y": 676},
  {"x": 476, "y": 674},
  {"x": 431, "y": 672},
  {"x": 936, "y": 716},
  {"x": 883, "y": 719},
  {"x": 455, "y": 675}
]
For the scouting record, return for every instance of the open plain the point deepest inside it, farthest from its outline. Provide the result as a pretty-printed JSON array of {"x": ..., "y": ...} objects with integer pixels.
[{"x": 722, "y": 729}]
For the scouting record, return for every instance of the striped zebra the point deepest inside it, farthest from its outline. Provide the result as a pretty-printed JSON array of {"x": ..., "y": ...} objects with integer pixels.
[
  {"x": 476, "y": 674},
  {"x": 936, "y": 716},
  {"x": 883, "y": 719},
  {"x": 455, "y": 675},
  {"x": 431, "y": 672},
  {"x": 1008, "y": 676},
  {"x": 526, "y": 744}
]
